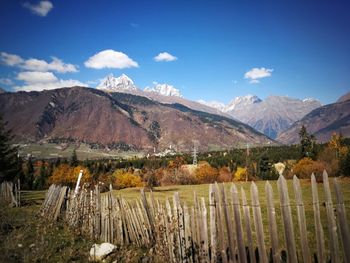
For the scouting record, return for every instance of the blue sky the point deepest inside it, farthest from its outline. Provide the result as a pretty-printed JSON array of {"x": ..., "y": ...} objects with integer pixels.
[{"x": 223, "y": 49}]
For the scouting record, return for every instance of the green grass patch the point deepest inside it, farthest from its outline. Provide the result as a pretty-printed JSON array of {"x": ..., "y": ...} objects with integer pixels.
[{"x": 186, "y": 193}]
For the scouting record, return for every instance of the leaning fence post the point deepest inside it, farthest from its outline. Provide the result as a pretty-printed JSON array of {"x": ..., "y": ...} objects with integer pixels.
[
  {"x": 344, "y": 227},
  {"x": 78, "y": 183}
]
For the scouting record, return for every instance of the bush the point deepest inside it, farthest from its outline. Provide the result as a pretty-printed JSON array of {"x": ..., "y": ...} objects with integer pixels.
[
  {"x": 124, "y": 179},
  {"x": 306, "y": 166},
  {"x": 206, "y": 174},
  {"x": 240, "y": 174},
  {"x": 224, "y": 175},
  {"x": 66, "y": 175},
  {"x": 177, "y": 176}
]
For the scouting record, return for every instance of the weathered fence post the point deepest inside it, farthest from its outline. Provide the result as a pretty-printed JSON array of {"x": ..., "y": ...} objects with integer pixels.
[
  {"x": 271, "y": 212},
  {"x": 301, "y": 220},
  {"x": 318, "y": 224},
  {"x": 287, "y": 219}
]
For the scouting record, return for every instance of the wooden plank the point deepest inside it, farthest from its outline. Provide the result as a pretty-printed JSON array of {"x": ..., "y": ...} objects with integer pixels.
[
  {"x": 246, "y": 213},
  {"x": 170, "y": 231},
  {"x": 204, "y": 232},
  {"x": 228, "y": 225},
  {"x": 318, "y": 224},
  {"x": 342, "y": 222},
  {"x": 59, "y": 202},
  {"x": 271, "y": 212},
  {"x": 258, "y": 223},
  {"x": 221, "y": 224},
  {"x": 301, "y": 221},
  {"x": 287, "y": 219},
  {"x": 332, "y": 225},
  {"x": 213, "y": 230},
  {"x": 188, "y": 236},
  {"x": 238, "y": 223}
]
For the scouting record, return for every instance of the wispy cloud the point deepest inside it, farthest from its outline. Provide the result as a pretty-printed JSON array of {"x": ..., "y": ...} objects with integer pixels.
[
  {"x": 164, "y": 56},
  {"x": 257, "y": 73},
  {"x": 41, "y": 9},
  {"x": 37, "y": 81},
  {"x": 34, "y": 64},
  {"x": 110, "y": 59},
  {"x": 6, "y": 81}
]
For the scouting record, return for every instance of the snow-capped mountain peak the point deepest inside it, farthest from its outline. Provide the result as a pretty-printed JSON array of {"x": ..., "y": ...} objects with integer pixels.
[
  {"x": 214, "y": 104},
  {"x": 164, "y": 89},
  {"x": 119, "y": 84},
  {"x": 242, "y": 102}
]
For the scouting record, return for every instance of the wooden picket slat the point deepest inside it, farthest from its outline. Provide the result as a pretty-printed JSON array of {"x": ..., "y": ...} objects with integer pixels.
[
  {"x": 239, "y": 230},
  {"x": 246, "y": 213},
  {"x": 271, "y": 213},
  {"x": 258, "y": 222},
  {"x": 318, "y": 225},
  {"x": 213, "y": 230},
  {"x": 342, "y": 222},
  {"x": 301, "y": 221},
  {"x": 287, "y": 219},
  {"x": 332, "y": 226}
]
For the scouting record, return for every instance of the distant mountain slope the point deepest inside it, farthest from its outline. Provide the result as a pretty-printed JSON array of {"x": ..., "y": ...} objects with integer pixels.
[
  {"x": 118, "y": 120},
  {"x": 322, "y": 122},
  {"x": 345, "y": 97},
  {"x": 271, "y": 116}
]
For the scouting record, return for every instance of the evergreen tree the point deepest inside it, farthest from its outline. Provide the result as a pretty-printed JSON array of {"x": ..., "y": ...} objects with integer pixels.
[
  {"x": 74, "y": 159},
  {"x": 8, "y": 154},
  {"x": 307, "y": 143}
]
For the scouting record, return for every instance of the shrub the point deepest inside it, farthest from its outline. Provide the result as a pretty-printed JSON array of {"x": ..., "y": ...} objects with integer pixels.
[
  {"x": 177, "y": 176},
  {"x": 66, "y": 175},
  {"x": 124, "y": 179},
  {"x": 206, "y": 174},
  {"x": 240, "y": 174},
  {"x": 306, "y": 166},
  {"x": 224, "y": 175}
]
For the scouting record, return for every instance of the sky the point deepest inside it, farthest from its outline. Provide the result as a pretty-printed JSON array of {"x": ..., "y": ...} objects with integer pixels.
[{"x": 210, "y": 50}]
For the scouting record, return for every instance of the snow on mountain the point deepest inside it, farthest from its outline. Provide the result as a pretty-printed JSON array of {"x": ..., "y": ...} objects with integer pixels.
[
  {"x": 238, "y": 102},
  {"x": 120, "y": 84},
  {"x": 243, "y": 101},
  {"x": 164, "y": 89},
  {"x": 214, "y": 104}
]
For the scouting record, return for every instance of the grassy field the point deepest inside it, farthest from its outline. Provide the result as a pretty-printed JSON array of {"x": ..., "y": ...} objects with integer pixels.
[
  {"x": 25, "y": 236},
  {"x": 186, "y": 193},
  {"x": 51, "y": 150}
]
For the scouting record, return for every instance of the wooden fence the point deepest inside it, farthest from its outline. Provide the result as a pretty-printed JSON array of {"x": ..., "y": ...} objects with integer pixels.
[
  {"x": 225, "y": 228},
  {"x": 11, "y": 193}
]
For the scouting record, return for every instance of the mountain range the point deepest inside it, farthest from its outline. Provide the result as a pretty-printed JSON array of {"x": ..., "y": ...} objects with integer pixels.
[
  {"x": 119, "y": 120},
  {"x": 322, "y": 122},
  {"x": 117, "y": 114},
  {"x": 271, "y": 116}
]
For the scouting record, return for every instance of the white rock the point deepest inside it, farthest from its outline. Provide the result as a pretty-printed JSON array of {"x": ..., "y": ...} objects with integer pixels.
[{"x": 99, "y": 251}]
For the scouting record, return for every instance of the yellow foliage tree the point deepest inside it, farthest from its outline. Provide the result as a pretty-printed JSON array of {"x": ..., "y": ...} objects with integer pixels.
[
  {"x": 206, "y": 174},
  {"x": 240, "y": 174},
  {"x": 67, "y": 175},
  {"x": 124, "y": 179}
]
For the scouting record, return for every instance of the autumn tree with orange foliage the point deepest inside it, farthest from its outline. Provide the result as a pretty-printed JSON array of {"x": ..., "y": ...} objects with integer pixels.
[
  {"x": 123, "y": 179},
  {"x": 66, "y": 175},
  {"x": 206, "y": 174},
  {"x": 306, "y": 166}
]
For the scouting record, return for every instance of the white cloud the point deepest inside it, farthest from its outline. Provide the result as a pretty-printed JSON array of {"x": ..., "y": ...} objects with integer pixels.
[
  {"x": 257, "y": 73},
  {"x": 10, "y": 59},
  {"x": 41, "y": 9},
  {"x": 37, "y": 81},
  {"x": 34, "y": 64},
  {"x": 6, "y": 81},
  {"x": 164, "y": 56},
  {"x": 34, "y": 77},
  {"x": 110, "y": 58}
]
